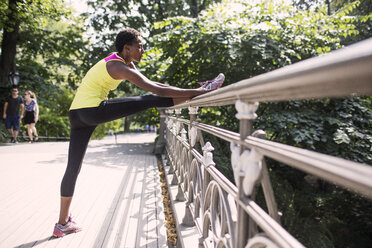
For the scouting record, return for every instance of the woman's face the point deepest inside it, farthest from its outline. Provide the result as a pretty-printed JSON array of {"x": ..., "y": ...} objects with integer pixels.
[
  {"x": 135, "y": 51},
  {"x": 27, "y": 95}
]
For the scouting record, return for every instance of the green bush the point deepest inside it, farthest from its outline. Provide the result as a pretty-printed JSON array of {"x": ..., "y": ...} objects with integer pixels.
[
  {"x": 102, "y": 130},
  {"x": 3, "y": 133},
  {"x": 53, "y": 126}
]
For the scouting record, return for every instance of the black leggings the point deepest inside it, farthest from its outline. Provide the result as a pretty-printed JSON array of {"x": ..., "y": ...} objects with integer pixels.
[{"x": 84, "y": 121}]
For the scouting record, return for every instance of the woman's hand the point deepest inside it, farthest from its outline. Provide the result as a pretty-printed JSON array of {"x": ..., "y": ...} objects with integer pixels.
[{"x": 201, "y": 90}]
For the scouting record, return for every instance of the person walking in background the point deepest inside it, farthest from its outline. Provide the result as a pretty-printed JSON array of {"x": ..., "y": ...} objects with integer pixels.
[
  {"x": 32, "y": 115},
  {"x": 11, "y": 114}
]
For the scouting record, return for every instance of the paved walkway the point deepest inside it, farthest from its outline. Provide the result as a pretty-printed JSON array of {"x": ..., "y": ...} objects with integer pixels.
[{"x": 117, "y": 200}]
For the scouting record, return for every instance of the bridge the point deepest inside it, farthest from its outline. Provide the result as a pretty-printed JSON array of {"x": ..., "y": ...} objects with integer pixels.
[
  {"x": 225, "y": 214},
  {"x": 118, "y": 197}
]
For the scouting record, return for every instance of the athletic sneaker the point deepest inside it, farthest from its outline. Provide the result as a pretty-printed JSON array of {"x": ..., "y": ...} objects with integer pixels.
[
  {"x": 215, "y": 83},
  {"x": 62, "y": 230}
]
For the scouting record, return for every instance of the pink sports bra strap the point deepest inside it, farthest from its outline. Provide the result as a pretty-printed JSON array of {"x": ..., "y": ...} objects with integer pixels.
[{"x": 114, "y": 56}]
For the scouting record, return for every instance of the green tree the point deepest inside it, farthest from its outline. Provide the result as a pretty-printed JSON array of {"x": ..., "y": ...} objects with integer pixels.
[
  {"x": 10, "y": 28},
  {"x": 108, "y": 17},
  {"x": 243, "y": 40},
  {"x": 50, "y": 42},
  {"x": 52, "y": 58},
  {"x": 21, "y": 17},
  {"x": 351, "y": 9}
]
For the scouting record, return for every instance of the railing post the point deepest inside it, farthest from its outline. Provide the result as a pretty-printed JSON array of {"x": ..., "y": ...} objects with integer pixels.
[
  {"x": 159, "y": 147},
  {"x": 192, "y": 132},
  {"x": 246, "y": 113},
  {"x": 176, "y": 152},
  {"x": 169, "y": 140},
  {"x": 266, "y": 184},
  {"x": 188, "y": 219},
  {"x": 180, "y": 193}
]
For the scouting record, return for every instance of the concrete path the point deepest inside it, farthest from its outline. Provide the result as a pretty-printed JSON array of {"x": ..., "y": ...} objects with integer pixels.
[{"x": 117, "y": 199}]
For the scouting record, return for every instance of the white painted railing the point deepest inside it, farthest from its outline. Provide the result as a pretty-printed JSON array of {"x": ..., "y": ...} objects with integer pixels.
[{"x": 225, "y": 214}]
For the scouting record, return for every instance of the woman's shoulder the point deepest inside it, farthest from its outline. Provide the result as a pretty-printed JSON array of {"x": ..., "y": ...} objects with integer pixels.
[{"x": 114, "y": 57}]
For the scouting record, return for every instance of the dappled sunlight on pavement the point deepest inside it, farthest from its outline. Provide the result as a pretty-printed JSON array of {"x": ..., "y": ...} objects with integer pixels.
[{"x": 118, "y": 176}]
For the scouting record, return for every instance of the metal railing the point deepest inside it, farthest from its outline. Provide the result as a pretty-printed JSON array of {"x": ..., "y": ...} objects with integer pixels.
[
  {"x": 45, "y": 138},
  {"x": 225, "y": 214}
]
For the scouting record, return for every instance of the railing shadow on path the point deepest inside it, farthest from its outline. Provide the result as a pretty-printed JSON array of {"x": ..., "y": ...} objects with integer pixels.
[
  {"x": 117, "y": 201},
  {"x": 35, "y": 243}
]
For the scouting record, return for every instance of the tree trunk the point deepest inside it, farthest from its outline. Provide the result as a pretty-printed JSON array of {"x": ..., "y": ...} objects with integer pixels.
[
  {"x": 9, "y": 43},
  {"x": 194, "y": 8},
  {"x": 127, "y": 122},
  {"x": 328, "y": 3}
]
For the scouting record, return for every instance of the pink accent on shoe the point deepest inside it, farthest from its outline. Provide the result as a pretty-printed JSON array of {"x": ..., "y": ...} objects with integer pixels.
[
  {"x": 62, "y": 230},
  {"x": 58, "y": 233},
  {"x": 215, "y": 83},
  {"x": 202, "y": 83}
]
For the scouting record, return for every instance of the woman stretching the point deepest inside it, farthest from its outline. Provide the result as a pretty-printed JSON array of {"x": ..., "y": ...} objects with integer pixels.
[
  {"x": 32, "y": 114},
  {"x": 89, "y": 108}
]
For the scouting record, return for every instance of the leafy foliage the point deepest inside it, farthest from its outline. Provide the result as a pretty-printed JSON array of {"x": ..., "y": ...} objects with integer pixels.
[
  {"x": 31, "y": 14},
  {"x": 243, "y": 40},
  {"x": 336, "y": 127},
  {"x": 49, "y": 58},
  {"x": 53, "y": 126}
]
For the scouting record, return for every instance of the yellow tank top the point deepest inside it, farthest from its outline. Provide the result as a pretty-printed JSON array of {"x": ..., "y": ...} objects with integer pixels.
[{"x": 96, "y": 85}]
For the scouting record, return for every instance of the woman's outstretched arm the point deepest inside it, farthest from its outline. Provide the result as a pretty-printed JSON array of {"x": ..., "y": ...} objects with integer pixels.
[{"x": 118, "y": 70}]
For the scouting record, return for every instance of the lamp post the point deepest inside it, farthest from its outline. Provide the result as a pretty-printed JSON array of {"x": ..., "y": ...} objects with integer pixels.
[{"x": 13, "y": 78}]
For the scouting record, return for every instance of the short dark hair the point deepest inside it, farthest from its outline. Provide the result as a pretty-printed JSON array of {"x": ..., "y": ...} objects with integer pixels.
[{"x": 126, "y": 37}]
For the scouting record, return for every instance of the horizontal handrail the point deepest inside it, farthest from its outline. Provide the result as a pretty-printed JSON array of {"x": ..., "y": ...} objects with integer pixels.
[
  {"x": 272, "y": 228},
  {"x": 342, "y": 73},
  {"x": 42, "y": 137},
  {"x": 345, "y": 173}
]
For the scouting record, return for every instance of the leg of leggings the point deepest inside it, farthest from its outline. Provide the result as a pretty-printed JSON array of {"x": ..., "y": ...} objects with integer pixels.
[
  {"x": 79, "y": 139},
  {"x": 84, "y": 121},
  {"x": 120, "y": 107}
]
